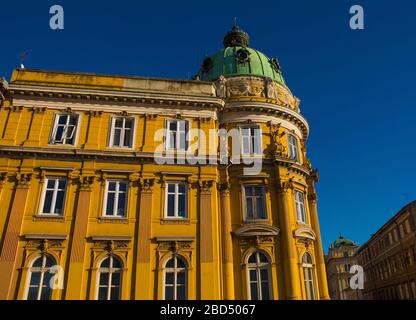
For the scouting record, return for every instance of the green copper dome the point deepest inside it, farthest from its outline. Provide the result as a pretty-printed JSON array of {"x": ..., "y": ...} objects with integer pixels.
[
  {"x": 237, "y": 59},
  {"x": 341, "y": 242}
]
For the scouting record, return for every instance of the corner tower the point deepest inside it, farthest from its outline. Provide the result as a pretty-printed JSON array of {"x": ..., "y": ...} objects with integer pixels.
[{"x": 268, "y": 218}]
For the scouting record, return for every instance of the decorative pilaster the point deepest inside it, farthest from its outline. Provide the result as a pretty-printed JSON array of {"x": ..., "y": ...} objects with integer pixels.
[
  {"x": 227, "y": 241},
  {"x": 94, "y": 129},
  {"x": 290, "y": 258},
  {"x": 206, "y": 253},
  {"x": 8, "y": 255},
  {"x": 12, "y": 126},
  {"x": 35, "y": 128},
  {"x": 319, "y": 255},
  {"x": 77, "y": 250},
  {"x": 143, "y": 286}
]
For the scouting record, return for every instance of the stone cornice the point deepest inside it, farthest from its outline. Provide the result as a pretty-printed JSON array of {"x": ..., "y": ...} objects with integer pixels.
[{"x": 121, "y": 96}]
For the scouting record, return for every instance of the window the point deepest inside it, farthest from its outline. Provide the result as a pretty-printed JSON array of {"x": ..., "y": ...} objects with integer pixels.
[
  {"x": 176, "y": 136},
  {"x": 308, "y": 274},
  {"x": 122, "y": 132},
  {"x": 109, "y": 278},
  {"x": 300, "y": 206},
  {"x": 40, "y": 276},
  {"x": 115, "y": 199},
  {"x": 64, "y": 129},
  {"x": 175, "y": 278},
  {"x": 251, "y": 140},
  {"x": 258, "y": 269},
  {"x": 254, "y": 196},
  {"x": 53, "y": 197},
  {"x": 293, "y": 147},
  {"x": 176, "y": 200}
]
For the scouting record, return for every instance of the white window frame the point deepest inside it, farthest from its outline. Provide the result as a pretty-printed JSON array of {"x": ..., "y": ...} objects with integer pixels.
[
  {"x": 74, "y": 135},
  {"x": 55, "y": 191},
  {"x": 300, "y": 205},
  {"x": 42, "y": 270},
  {"x": 116, "y": 198},
  {"x": 257, "y": 268},
  {"x": 252, "y": 138},
  {"x": 122, "y": 132},
  {"x": 175, "y": 270},
  {"x": 176, "y": 209},
  {"x": 293, "y": 148},
  {"x": 309, "y": 267},
  {"x": 177, "y": 135},
  {"x": 110, "y": 271},
  {"x": 254, "y": 203}
]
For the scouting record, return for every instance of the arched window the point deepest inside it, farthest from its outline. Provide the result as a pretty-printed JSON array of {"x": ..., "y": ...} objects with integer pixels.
[
  {"x": 40, "y": 275},
  {"x": 109, "y": 277},
  {"x": 258, "y": 274},
  {"x": 175, "y": 279},
  {"x": 309, "y": 276}
]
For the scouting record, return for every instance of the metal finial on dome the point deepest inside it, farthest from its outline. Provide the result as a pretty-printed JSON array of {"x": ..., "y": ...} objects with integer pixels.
[{"x": 236, "y": 38}]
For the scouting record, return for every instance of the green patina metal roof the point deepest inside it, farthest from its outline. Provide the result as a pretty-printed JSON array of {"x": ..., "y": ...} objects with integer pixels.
[
  {"x": 237, "y": 59},
  {"x": 341, "y": 242}
]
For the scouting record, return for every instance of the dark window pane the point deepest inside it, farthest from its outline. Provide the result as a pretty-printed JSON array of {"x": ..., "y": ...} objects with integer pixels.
[
  {"x": 59, "y": 205},
  {"x": 127, "y": 138},
  {"x": 181, "y": 293},
  {"x": 48, "y": 202},
  {"x": 252, "y": 258},
  {"x": 59, "y": 133},
  {"x": 115, "y": 293},
  {"x": 61, "y": 184},
  {"x": 73, "y": 120},
  {"x": 171, "y": 188},
  {"x": 181, "y": 206},
  {"x": 62, "y": 119},
  {"x": 110, "y": 204},
  {"x": 35, "y": 278},
  {"x": 181, "y": 278},
  {"x": 258, "y": 191},
  {"x": 111, "y": 186},
  {"x": 168, "y": 293},
  {"x": 170, "y": 263},
  {"x": 115, "y": 279},
  {"x": 249, "y": 206},
  {"x": 265, "y": 293},
  {"x": 253, "y": 275},
  {"x": 102, "y": 294},
  {"x": 119, "y": 123},
  {"x": 263, "y": 258},
  {"x": 51, "y": 184},
  {"x": 171, "y": 205},
  {"x": 129, "y": 123},
  {"x": 182, "y": 188},
  {"x": 33, "y": 293},
  {"x": 173, "y": 126},
  {"x": 121, "y": 204},
  {"x": 180, "y": 263},
  {"x": 103, "y": 278},
  {"x": 46, "y": 290},
  {"x": 123, "y": 186},
  {"x": 117, "y": 137},
  {"x": 260, "y": 209},
  {"x": 264, "y": 274},
  {"x": 249, "y": 191},
  {"x": 105, "y": 263},
  {"x": 117, "y": 263},
  {"x": 253, "y": 290},
  {"x": 169, "y": 277},
  {"x": 49, "y": 262}
]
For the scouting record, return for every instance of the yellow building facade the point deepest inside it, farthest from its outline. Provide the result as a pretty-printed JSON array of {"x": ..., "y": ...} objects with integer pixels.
[{"x": 103, "y": 197}]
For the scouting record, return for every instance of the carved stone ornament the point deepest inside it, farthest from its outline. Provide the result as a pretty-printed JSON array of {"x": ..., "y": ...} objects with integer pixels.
[
  {"x": 256, "y": 230},
  {"x": 205, "y": 186},
  {"x": 174, "y": 245},
  {"x": 23, "y": 179},
  {"x": 304, "y": 233},
  {"x": 111, "y": 245},
  {"x": 270, "y": 91},
  {"x": 221, "y": 87},
  {"x": 147, "y": 185},
  {"x": 86, "y": 182}
]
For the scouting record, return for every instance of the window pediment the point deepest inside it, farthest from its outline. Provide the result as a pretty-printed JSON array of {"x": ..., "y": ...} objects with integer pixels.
[
  {"x": 304, "y": 233},
  {"x": 256, "y": 229}
]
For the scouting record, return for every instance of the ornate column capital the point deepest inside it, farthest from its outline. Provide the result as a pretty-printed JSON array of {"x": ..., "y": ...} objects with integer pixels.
[
  {"x": 3, "y": 176},
  {"x": 286, "y": 186},
  {"x": 23, "y": 180},
  {"x": 205, "y": 186},
  {"x": 224, "y": 188},
  {"x": 86, "y": 182},
  {"x": 146, "y": 185}
]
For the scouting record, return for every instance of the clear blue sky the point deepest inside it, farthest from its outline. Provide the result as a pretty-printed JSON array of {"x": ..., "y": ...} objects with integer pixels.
[{"x": 357, "y": 87}]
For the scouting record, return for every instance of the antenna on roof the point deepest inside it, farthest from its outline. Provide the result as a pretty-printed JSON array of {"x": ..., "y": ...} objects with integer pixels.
[
  {"x": 23, "y": 57},
  {"x": 235, "y": 21}
]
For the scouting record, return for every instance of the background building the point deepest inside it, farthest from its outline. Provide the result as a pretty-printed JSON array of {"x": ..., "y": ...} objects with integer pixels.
[
  {"x": 389, "y": 258},
  {"x": 339, "y": 260},
  {"x": 81, "y": 187}
]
